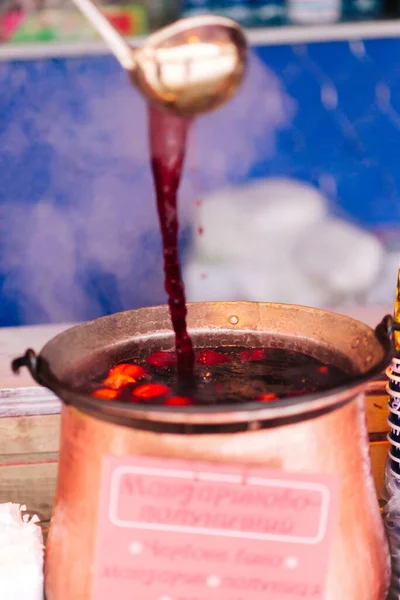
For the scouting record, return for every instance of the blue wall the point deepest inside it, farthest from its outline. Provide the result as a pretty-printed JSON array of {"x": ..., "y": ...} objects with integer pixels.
[{"x": 77, "y": 219}]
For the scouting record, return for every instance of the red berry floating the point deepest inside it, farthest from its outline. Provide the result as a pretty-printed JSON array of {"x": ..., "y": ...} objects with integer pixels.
[
  {"x": 323, "y": 369},
  {"x": 267, "y": 397},
  {"x": 250, "y": 355},
  {"x": 104, "y": 394},
  {"x": 211, "y": 358},
  {"x": 150, "y": 390},
  {"x": 133, "y": 371},
  {"x": 178, "y": 401},
  {"x": 162, "y": 360},
  {"x": 118, "y": 381}
]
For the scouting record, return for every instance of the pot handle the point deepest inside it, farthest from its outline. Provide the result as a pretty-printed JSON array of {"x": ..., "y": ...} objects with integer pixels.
[
  {"x": 384, "y": 330},
  {"x": 31, "y": 361}
]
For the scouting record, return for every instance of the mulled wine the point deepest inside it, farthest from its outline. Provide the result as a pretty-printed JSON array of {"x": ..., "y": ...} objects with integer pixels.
[
  {"x": 228, "y": 375},
  {"x": 168, "y": 135}
]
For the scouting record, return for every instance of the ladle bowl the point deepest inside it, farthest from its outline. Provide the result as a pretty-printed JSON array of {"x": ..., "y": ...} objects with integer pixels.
[
  {"x": 188, "y": 68},
  {"x": 193, "y": 66}
]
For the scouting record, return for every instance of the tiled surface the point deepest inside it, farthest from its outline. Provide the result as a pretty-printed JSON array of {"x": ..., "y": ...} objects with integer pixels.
[
  {"x": 77, "y": 220},
  {"x": 345, "y": 133}
]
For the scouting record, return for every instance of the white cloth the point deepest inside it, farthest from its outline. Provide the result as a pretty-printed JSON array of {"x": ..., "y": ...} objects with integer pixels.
[{"x": 21, "y": 555}]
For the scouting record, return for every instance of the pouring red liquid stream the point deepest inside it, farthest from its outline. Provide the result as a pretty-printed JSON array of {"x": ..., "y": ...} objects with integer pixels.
[{"x": 168, "y": 135}]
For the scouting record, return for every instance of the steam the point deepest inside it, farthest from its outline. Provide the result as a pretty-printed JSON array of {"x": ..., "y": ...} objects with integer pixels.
[
  {"x": 88, "y": 241},
  {"x": 232, "y": 140}
]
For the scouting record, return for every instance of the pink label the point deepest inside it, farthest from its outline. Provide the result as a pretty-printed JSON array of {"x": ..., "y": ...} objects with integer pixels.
[{"x": 180, "y": 530}]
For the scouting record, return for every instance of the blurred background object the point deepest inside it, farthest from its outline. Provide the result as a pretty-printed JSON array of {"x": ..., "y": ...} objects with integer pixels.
[
  {"x": 277, "y": 239},
  {"x": 49, "y": 20}
]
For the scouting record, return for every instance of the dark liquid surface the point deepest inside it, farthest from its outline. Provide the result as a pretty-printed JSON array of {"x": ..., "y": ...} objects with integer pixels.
[
  {"x": 168, "y": 136},
  {"x": 230, "y": 376}
]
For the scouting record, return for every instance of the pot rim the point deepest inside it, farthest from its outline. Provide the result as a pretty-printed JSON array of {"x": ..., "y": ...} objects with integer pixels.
[{"x": 281, "y": 410}]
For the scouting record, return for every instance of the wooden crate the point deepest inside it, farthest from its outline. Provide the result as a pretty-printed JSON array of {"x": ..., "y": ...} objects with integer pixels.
[
  {"x": 29, "y": 425},
  {"x": 28, "y": 462}
]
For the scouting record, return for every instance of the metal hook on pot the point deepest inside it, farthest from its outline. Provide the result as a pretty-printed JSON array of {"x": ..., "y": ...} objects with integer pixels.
[
  {"x": 390, "y": 325},
  {"x": 384, "y": 331}
]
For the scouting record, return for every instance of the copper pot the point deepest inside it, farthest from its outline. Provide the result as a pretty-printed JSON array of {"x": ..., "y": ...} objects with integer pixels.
[{"x": 319, "y": 434}]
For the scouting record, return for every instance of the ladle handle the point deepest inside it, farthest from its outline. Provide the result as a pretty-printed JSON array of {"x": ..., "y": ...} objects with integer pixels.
[{"x": 115, "y": 42}]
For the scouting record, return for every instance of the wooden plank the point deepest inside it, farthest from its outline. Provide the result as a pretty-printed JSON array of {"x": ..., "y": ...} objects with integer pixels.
[
  {"x": 378, "y": 452},
  {"x": 32, "y": 484},
  {"x": 28, "y": 402},
  {"x": 22, "y": 435},
  {"x": 377, "y": 413},
  {"x": 29, "y": 435},
  {"x": 28, "y": 459}
]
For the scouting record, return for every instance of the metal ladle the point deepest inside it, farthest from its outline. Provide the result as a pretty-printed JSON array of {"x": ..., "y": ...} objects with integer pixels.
[{"x": 188, "y": 68}]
